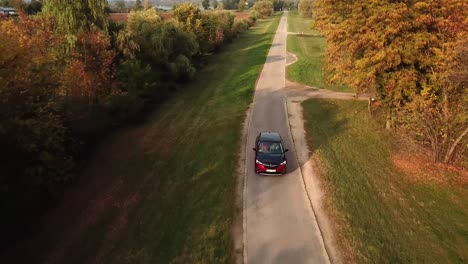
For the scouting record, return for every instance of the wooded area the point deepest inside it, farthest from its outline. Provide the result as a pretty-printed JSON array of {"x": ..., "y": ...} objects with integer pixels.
[{"x": 68, "y": 76}]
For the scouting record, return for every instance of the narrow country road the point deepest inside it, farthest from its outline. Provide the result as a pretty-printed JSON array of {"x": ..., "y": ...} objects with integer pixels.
[{"x": 279, "y": 223}]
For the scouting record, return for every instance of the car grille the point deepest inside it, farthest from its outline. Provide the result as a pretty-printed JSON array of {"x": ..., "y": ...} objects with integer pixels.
[{"x": 269, "y": 166}]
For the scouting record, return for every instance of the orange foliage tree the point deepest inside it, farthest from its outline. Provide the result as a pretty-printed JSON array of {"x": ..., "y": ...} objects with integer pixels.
[{"x": 402, "y": 51}]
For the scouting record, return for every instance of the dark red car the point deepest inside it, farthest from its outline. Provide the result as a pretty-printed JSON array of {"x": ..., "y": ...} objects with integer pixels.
[{"x": 270, "y": 157}]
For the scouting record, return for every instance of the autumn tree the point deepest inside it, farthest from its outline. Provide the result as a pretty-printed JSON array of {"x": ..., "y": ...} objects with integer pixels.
[
  {"x": 264, "y": 8},
  {"x": 305, "y": 7},
  {"x": 400, "y": 51},
  {"x": 32, "y": 129},
  {"x": 188, "y": 17}
]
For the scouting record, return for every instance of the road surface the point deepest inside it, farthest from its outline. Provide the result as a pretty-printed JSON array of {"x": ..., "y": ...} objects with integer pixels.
[{"x": 279, "y": 223}]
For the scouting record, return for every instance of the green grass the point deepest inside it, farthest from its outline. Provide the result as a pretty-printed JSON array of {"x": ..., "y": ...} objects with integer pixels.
[
  {"x": 174, "y": 196},
  {"x": 310, "y": 50},
  {"x": 384, "y": 217}
]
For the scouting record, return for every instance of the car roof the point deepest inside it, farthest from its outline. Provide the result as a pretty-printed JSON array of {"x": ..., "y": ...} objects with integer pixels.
[{"x": 270, "y": 136}]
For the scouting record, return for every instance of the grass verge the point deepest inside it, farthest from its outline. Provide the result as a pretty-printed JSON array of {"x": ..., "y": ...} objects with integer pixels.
[
  {"x": 170, "y": 188},
  {"x": 310, "y": 50},
  {"x": 383, "y": 215}
]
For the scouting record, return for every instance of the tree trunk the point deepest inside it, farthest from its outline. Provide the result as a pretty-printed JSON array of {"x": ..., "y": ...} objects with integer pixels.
[
  {"x": 449, "y": 154},
  {"x": 388, "y": 122}
]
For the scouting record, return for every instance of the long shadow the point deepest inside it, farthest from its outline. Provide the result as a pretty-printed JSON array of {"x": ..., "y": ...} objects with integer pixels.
[{"x": 321, "y": 117}]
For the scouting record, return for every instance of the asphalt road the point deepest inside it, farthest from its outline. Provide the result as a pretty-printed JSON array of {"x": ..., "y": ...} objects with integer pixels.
[{"x": 279, "y": 223}]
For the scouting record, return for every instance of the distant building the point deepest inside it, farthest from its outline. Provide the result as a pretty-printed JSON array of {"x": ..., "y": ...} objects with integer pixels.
[{"x": 8, "y": 11}]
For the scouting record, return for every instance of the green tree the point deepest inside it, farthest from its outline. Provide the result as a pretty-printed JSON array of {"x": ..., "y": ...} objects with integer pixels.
[
  {"x": 34, "y": 7},
  {"x": 241, "y": 5},
  {"x": 138, "y": 5},
  {"x": 163, "y": 45},
  {"x": 206, "y": 4},
  {"x": 214, "y": 4},
  {"x": 120, "y": 5},
  {"x": 230, "y": 4},
  {"x": 72, "y": 17}
]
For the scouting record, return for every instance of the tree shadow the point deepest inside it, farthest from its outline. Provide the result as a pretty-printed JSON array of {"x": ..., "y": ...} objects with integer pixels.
[
  {"x": 274, "y": 58},
  {"x": 322, "y": 120}
]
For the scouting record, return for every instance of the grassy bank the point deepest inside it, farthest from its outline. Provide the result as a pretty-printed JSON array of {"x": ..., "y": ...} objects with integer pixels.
[
  {"x": 164, "y": 192},
  {"x": 310, "y": 50},
  {"x": 385, "y": 216}
]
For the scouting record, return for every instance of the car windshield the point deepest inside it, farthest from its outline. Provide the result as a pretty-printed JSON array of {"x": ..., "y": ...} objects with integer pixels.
[{"x": 268, "y": 147}]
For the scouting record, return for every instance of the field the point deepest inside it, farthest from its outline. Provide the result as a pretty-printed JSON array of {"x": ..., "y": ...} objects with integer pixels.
[
  {"x": 163, "y": 192},
  {"x": 389, "y": 206},
  {"x": 310, "y": 50}
]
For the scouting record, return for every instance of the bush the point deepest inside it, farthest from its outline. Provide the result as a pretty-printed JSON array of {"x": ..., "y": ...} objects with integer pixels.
[
  {"x": 254, "y": 15},
  {"x": 225, "y": 21},
  {"x": 181, "y": 68},
  {"x": 240, "y": 25},
  {"x": 136, "y": 78}
]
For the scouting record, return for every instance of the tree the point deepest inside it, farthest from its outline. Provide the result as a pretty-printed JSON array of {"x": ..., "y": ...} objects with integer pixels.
[
  {"x": 241, "y": 5},
  {"x": 72, "y": 17},
  {"x": 163, "y": 45},
  {"x": 214, "y": 4},
  {"x": 230, "y": 4},
  {"x": 138, "y": 5},
  {"x": 34, "y": 7},
  {"x": 206, "y": 4},
  {"x": 188, "y": 17},
  {"x": 264, "y": 8},
  {"x": 147, "y": 5},
  {"x": 305, "y": 7},
  {"x": 404, "y": 53},
  {"x": 120, "y": 5}
]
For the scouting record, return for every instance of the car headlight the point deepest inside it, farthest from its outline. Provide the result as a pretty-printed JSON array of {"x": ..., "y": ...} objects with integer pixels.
[
  {"x": 283, "y": 163},
  {"x": 258, "y": 162}
]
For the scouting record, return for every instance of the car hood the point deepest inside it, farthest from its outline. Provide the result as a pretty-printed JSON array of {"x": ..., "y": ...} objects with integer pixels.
[{"x": 273, "y": 159}]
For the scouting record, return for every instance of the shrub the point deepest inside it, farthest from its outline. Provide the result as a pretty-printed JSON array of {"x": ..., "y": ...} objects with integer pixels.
[
  {"x": 225, "y": 21},
  {"x": 136, "y": 78},
  {"x": 240, "y": 25}
]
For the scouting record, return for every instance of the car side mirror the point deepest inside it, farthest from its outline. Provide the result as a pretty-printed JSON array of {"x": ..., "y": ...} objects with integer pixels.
[
  {"x": 286, "y": 150},
  {"x": 254, "y": 149}
]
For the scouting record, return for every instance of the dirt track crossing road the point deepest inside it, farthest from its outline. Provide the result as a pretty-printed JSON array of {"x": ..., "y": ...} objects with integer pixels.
[{"x": 279, "y": 222}]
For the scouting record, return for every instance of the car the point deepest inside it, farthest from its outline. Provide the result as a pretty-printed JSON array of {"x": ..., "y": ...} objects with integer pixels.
[{"x": 270, "y": 154}]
